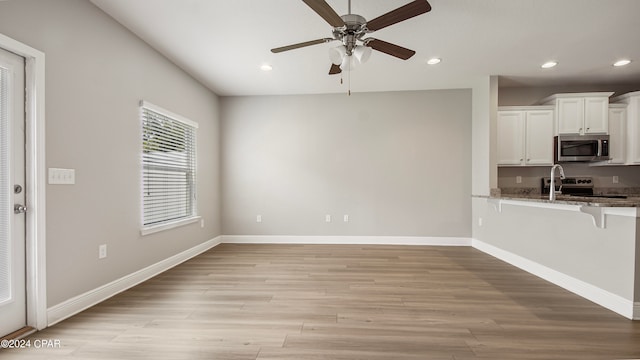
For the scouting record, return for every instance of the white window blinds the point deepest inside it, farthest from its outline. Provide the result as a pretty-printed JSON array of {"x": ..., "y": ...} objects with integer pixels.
[{"x": 169, "y": 166}]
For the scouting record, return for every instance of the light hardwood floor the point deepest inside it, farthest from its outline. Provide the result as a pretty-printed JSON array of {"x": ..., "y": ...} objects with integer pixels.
[{"x": 342, "y": 302}]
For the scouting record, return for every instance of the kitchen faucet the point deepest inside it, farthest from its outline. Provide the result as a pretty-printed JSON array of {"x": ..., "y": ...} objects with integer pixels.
[{"x": 552, "y": 186}]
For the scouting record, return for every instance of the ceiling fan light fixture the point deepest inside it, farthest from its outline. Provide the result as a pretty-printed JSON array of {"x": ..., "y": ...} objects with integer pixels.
[
  {"x": 622, "y": 62},
  {"x": 549, "y": 64},
  {"x": 348, "y": 63},
  {"x": 362, "y": 53},
  {"x": 337, "y": 54}
]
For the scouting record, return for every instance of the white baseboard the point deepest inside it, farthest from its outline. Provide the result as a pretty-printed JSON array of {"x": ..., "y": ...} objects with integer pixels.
[
  {"x": 84, "y": 301},
  {"x": 351, "y": 240},
  {"x": 606, "y": 299}
]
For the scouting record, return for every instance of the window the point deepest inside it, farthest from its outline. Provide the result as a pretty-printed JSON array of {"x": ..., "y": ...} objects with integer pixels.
[{"x": 168, "y": 168}]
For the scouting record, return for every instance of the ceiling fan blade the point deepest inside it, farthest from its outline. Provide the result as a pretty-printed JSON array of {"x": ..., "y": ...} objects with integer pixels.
[
  {"x": 402, "y": 13},
  {"x": 299, "y": 45},
  {"x": 389, "y": 48},
  {"x": 325, "y": 11},
  {"x": 335, "y": 69}
]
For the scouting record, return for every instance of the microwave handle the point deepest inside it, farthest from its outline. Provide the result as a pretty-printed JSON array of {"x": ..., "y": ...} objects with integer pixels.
[{"x": 599, "y": 148}]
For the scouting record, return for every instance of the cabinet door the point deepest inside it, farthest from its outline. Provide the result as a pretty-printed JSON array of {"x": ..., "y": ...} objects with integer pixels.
[
  {"x": 617, "y": 135},
  {"x": 510, "y": 137},
  {"x": 570, "y": 116},
  {"x": 596, "y": 115},
  {"x": 633, "y": 131},
  {"x": 539, "y": 137}
]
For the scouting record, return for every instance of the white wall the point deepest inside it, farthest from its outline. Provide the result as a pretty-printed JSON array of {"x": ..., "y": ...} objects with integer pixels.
[
  {"x": 96, "y": 73},
  {"x": 397, "y": 163},
  {"x": 484, "y": 168}
]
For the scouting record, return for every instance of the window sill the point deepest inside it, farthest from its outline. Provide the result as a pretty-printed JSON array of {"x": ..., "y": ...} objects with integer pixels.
[{"x": 166, "y": 226}]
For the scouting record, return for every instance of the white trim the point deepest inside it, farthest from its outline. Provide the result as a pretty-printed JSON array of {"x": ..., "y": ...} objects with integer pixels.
[
  {"x": 167, "y": 113},
  {"x": 359, "y": 240},
  {"x": 36, "y": 179},
  {"x": 90, "y": 298},
  {"x": 590, "y": 292},
  {"x": 170, "y": 225}
]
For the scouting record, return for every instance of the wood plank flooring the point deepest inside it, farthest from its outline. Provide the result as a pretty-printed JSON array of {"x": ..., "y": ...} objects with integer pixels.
[{"x": 342, "y": 302}]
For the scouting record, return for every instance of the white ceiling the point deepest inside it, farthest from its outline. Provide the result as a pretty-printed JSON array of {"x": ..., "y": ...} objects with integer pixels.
[{"x": 222, "y": 43}]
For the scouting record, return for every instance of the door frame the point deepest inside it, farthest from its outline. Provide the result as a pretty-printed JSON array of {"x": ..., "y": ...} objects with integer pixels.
[{"x": 35, "y": 180}]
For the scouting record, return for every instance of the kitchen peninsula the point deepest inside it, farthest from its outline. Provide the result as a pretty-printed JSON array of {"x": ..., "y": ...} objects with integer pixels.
[{"x": 588, "y": 246}]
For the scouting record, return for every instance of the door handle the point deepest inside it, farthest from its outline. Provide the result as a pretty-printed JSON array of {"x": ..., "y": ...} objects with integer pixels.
[{"x": 19, "y": 209}]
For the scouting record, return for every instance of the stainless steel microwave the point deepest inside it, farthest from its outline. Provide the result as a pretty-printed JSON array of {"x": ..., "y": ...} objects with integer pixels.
[{"x": 581, "y": 148}]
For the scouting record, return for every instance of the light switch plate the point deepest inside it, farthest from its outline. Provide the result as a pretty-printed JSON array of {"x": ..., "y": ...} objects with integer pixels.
[{"x": 62, "y": 176}]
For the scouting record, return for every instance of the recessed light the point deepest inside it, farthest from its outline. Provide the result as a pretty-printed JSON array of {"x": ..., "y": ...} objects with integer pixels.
[
  {"x": 266, "y": 67},
  {"x": 549, "y": 64},
  {"x": 622, "y": 62},
  {"x": 434, "y": 61}
]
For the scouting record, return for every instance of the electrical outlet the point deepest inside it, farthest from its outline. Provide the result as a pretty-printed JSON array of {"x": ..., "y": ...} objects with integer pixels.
[
  {"x": 259, "y": 218},
  {"x": 518, "y": 179},
  {"x": 345, "y": 218},
  {"x": 102, "y": 251},
  {"x": 615, "y": 179},
  {"x": 479, "y": 221},
  {"x": 202, "y": 223},
  {"x": 327, "y": 218}
]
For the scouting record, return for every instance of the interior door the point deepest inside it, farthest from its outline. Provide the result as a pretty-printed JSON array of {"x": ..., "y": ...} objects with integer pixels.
[{"x": 13, "y": 312}]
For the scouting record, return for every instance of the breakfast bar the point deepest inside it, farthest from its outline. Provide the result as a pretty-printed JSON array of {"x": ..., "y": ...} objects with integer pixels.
[
  {"x": 587, "y": 245},
  {"x": 597, "y": 207}
]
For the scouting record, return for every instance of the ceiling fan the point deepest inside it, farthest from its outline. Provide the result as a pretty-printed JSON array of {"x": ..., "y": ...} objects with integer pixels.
[{"x": 350, "y": 29}]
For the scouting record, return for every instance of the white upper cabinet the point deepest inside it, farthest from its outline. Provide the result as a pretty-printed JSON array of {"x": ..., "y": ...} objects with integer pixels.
[
  {"x": 539, "y": 137},
  {"x": 510, "y": 137},
  {"x": 525, "y": 136},
  {"x": 617, "y": 133},
  {"x": 632, "y": 138},
  {"x": 580, "y": 113},
  {"x": 570, "y": 115},
  {"x": 596, "y": 115}
]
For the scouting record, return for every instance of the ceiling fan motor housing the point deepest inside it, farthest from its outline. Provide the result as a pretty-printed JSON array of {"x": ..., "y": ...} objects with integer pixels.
[{"x": 354, "y": 29}]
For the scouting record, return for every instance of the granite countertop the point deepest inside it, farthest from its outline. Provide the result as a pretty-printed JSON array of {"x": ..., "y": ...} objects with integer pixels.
[
  {"x": 630, "y": 201},
  {"x": 533, "y": 194}
]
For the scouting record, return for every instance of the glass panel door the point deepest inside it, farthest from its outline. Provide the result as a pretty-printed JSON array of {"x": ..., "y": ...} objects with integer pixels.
[{"x": 12, "y": 194}]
